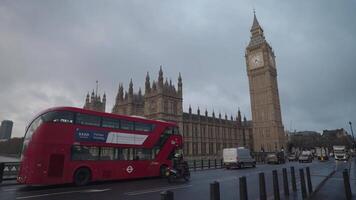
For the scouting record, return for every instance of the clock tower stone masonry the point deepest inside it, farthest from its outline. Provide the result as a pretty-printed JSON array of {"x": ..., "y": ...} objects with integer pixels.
[{"x": 268, "y": 131}]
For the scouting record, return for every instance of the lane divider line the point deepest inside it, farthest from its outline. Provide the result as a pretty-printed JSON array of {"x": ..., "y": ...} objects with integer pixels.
[
  {"x": 67, "y": 192},
  {"x": 156, "y": 190}
]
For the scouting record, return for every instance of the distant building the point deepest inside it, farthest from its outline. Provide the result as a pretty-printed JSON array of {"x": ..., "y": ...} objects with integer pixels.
[
  {"x": 336, "y": 133},
  {"x": 6, "y": 129}
]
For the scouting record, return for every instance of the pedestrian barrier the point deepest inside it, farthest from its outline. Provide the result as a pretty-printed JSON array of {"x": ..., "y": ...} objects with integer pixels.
[
  {"x": 205, "y": 164},
  {"x": 347, "y": 186},
  {"x": 243, "y": 188},
  {"x": 243, "y": 194},
  {"x": 302, "y": 184},
  {"x": 167, "y": 195},
  {"x": 275, "y": 185},
  {"x": 9, "y": 170},
  {"x": 285, "y": 182},
  {"x": 262, "y": 184},
  {"x": 214, "y": 191}
]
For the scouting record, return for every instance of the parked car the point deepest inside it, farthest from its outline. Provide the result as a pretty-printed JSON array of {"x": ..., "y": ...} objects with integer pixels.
[
  {"x": 292, "y": 157},
  {"x": 238, "y": 157},
  {"x": 275, "y": 158},
  {"x": 305, "y": 156}
]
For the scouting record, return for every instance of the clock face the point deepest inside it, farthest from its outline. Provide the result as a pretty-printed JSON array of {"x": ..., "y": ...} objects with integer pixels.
[{"x": 256, "y": 60}]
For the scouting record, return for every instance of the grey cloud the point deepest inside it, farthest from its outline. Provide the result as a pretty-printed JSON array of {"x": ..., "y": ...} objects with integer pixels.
[{"x": 51, "y": 53}]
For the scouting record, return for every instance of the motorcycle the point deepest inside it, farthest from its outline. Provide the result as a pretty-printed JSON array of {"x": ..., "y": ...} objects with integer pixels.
[{"x": 175, "y": 174}]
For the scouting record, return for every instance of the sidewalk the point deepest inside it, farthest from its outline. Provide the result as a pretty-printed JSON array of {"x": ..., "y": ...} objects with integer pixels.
[{"x": 334, "y": 186}]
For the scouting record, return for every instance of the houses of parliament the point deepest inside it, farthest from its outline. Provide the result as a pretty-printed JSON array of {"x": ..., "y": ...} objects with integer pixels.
[{"x": 205, "y": 135}]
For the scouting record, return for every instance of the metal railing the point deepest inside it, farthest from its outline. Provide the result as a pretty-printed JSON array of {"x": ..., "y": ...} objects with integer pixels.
[{"x": 9, "y": 170}]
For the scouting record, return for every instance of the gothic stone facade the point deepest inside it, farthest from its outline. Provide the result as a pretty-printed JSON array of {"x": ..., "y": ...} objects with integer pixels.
[
  {"x": 268, "y": 131},
  {"x": 205, "y": 136},
  {"x": 94, "y": 102}
]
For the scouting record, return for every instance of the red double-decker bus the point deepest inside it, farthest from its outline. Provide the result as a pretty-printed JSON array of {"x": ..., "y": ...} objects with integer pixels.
[{"x": 72, "y": 145}]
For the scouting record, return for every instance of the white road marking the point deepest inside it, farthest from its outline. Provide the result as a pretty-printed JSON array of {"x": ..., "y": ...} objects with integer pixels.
[
  {"x": 97, "y": 190},
  {"x": 11, "y": 189},
  {"x": 67, "y": 192},
  {"x": 156, "y": 190}
]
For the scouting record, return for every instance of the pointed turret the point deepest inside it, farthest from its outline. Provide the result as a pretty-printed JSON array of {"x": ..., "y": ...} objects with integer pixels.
[
  {"x": 206, "y": 112},
  {"x": 139, "y": 92},
  {"x": 213, "y": 113},
  {"x": 257, "y": 36},
  {"x": 198, "y": 111},
  {"x": 104, "y": 98},
  {"x": 180, "y": 84},
  {"x": 87, "y": 98},
  {"x": 190, "y": 110},
  {"x": 147, "y": 84},
  {"x": 154, "y": 86},
  {"x": 121, "y": 92},
  {"x": 92, "y": 96},
  {"x": 255, "y": 24},
  {"x": 160, "y": 76},
  {"x": 131, "y": 88},
  {"x": 238, "y": 118}
]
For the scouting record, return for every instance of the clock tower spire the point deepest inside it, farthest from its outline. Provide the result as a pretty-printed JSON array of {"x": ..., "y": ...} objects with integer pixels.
[{"x": 268, "y": 130}]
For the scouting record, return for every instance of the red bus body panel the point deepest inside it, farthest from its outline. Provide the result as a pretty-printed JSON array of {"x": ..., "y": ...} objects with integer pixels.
[{"x": 47, "y": 158}]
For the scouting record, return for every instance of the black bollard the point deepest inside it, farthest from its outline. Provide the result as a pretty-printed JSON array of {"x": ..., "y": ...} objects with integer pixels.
[
  {"x": 285, "y": 182},
  {"x": 167, "y": 195},
  {"x": 214, "y": 191},
  {"x": 348, "y": 192},
  {"x": 263, "y": 195},
  {"x": 221, "y": 163},
  {"x": 302, "y": 183},
  {"x": 243, "y": 188},
  {"x": 202, "y": 164},
  {"x": 195, "y": 165},
  {"x": 2, "y": 166},
  {"x": 294, "y": 183},
  {"x": 310, "y": 186},
  {"x": 209, "y": 163},
  {"x": 215, "y": 162},
  {"x": 275, "y": 185}
]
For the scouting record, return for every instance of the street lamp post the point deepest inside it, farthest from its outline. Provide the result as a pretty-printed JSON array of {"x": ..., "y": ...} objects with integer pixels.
[{"x": 352, "y": 132}]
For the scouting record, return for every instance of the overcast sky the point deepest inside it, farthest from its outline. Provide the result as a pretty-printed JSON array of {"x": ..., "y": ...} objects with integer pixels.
[{"x": 52, "y": 52}]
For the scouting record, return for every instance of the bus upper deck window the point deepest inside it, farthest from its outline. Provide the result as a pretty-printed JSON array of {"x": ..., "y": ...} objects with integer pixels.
[
  {"x": 127, "y": 125},
  {"x": 58, "y": 116},
  {"x": 86, "y": 119}
]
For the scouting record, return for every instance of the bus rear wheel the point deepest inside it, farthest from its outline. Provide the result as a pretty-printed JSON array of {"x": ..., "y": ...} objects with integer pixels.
[{"x": 82, "y": 176}]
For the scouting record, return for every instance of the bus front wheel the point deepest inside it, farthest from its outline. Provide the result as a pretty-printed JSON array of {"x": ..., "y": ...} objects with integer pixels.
[{"x": 82, "y": 176}]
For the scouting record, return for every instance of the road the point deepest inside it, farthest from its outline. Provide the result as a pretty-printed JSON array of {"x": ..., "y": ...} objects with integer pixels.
[
  {"x": 334, "y": 186},
  {"x": 197, "y": 188}
]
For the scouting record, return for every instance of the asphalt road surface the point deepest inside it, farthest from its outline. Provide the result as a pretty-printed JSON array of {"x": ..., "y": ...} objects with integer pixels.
[{"x": 197, "y": 188}]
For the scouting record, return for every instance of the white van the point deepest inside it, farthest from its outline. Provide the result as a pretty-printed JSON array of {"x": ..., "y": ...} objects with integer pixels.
[{"x": 238, "y": 157}]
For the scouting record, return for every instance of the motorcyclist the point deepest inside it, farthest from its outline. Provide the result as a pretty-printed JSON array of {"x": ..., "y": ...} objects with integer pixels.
[{"x": 179, "y": 164}]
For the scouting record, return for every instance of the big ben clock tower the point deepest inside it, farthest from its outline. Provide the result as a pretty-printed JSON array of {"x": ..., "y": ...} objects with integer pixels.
[{"x": 268, "y": 131}]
